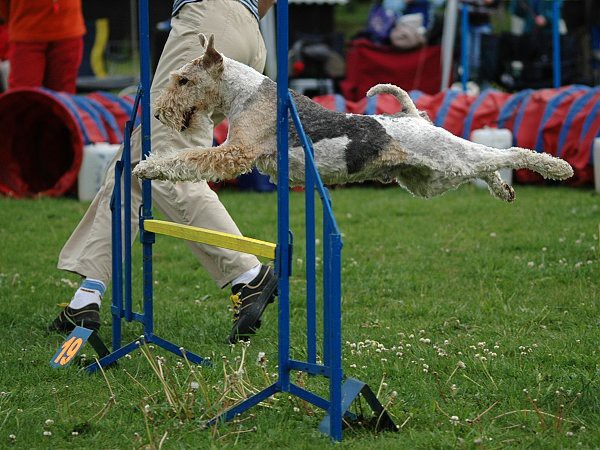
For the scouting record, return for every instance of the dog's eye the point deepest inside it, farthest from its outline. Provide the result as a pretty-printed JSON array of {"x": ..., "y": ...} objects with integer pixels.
[{"x": 183, "y": 81}]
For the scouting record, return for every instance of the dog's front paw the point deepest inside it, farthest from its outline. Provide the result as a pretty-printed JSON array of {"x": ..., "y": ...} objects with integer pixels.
[{"x": 148, "y": 169}]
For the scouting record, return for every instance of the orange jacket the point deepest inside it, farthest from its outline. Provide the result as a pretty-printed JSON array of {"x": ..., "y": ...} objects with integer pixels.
[{"x": 42, "y": 20}]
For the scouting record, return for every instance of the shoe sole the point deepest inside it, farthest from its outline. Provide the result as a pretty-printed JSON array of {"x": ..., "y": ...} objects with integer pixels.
[
  {"x": 64, "y": 324},
  {"x": 267, "y": 296}
]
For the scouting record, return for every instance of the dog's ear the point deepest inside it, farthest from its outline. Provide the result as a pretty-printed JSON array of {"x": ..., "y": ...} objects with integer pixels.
[
  {"x": 212, "y": 60},
  {"x": 202, "y": 39}
]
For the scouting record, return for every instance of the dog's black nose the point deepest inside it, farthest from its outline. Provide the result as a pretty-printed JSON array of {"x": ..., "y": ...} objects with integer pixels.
[{"x": 156, "y": 116}]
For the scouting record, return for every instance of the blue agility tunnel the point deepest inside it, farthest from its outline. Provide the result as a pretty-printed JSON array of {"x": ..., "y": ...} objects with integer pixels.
[{"x": 43, "y": 135}]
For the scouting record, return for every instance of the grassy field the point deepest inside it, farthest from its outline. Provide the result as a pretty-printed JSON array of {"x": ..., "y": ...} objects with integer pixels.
[{"x": 476, "y": 321}]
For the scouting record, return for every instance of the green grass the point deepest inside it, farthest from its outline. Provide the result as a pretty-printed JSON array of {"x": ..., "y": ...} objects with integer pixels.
[{"x": 458, "y": 306}]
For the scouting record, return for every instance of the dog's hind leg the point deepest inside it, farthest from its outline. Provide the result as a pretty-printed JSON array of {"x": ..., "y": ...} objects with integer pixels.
[
  {"x": 498, "y": 188},
  {"x": 522, "y": 158}
]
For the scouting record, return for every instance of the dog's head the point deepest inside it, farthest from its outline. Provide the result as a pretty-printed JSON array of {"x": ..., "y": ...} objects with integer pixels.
[{"x": 192, "y": 89}]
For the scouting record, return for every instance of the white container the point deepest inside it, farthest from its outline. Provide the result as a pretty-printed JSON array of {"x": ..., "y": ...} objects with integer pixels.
[
  {"x": 496, "y": 138},
  {"x": 597, "y": 164},
  {"x": 96, "y": 159}
]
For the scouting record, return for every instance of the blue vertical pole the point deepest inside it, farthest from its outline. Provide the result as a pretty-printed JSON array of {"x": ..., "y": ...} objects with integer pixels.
[
  {"x": 464, "y": 45},
  {"x": 327, "y": 230},
  {"x": 117, "y": 263},
  {"x": 556, "y": 43},
  {"x": 283, "y": 206},
  {"x": 311, "y": 274},
  {"x": 144, "y": 33},
  {"x": 127, "y": 222},
  {"x": 335, "y": 336}
]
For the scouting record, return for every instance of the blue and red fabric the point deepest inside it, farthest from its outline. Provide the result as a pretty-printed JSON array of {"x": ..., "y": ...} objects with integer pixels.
[
  {"x": 119, "y": 107},
  {"x": 41, "y": 143},
  {"x": 431, "y": 104},
  {"x": 453, "y": 111},
  {"x": 526, "y": 125},
  {"x": 554, "y": 118},
  {"x": 484, "y": 111},
  {"x": 508, "y": 112},
  {"x": 44, "y": 132}
]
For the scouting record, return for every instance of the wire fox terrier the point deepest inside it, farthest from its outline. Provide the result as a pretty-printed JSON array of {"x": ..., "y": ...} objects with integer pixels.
[{"x": 405, "y": 147}]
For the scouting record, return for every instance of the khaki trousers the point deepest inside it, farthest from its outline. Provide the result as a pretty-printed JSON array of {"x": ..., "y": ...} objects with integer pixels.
[{"x": 88, "y": 250}]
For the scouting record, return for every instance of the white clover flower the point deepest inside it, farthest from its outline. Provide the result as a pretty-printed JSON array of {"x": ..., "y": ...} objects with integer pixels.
[
  {"x": 47, "y": 433},
  {"x": 454, "y": 420},
  {"x": 49, "y": 422},
  {"x": 261, "y": 359},
  {"x": 194, "y": 385},
  {"x": 530, "y": 264},
  {"x": 461, "y": 365}
]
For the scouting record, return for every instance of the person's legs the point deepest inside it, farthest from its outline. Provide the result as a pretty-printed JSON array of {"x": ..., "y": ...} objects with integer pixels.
[
  {"x": 27, "y": 64},
  {"x": 63, "y": 59},
  {"x": 474, "y": 48},
  {"x": 88, "y": 250}
]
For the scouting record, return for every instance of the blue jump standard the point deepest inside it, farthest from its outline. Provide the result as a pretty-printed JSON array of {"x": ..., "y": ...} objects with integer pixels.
[{"x": 341, "y": 395}]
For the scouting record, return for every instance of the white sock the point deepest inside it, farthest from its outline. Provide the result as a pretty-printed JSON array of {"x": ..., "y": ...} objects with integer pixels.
[
  {"x": 90, "y": 291},
  {"x": 248, "y": 276}
]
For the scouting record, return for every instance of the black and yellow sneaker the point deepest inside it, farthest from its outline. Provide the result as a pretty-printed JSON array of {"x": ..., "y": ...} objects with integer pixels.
[
  {"x": 87, "y": 317},
  {"x": 249, "y": 303}
]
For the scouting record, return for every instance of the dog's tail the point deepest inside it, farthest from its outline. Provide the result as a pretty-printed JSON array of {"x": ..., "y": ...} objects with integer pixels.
[{"x": 397, "y": 92}]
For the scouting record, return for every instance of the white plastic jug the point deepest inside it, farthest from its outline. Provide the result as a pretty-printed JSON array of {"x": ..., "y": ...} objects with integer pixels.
[
  {"x": 597, "y": 164},
  {"x": 497, "y": 138},
  {"x": 96, "y": 159}
]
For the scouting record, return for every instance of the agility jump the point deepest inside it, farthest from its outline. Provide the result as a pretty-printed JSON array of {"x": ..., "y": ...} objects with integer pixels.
[{"x": 341, "y": 394}]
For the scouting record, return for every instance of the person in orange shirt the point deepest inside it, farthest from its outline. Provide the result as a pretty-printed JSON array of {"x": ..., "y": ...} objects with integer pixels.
[{"x": 46, "y": 42}]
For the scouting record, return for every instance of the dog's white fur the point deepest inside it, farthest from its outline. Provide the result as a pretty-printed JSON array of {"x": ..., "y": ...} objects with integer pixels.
[{"x": 406, "y": 147}]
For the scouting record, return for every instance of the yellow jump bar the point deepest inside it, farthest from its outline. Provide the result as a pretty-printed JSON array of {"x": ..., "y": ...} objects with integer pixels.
[{"x": 211, "y": 237}]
